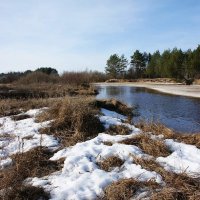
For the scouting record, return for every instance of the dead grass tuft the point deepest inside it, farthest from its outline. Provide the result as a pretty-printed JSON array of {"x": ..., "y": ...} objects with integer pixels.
[
  {"x": 26, "y": 193},
  {"x": 114, "y": 105},
  {"x": 178, "y": 186},
  {"x": 126, "y": 189},
  {"x": 30, "y": 164},
  {"x": 158, "y": 129},
  {"x": 74, "y": 120},
  {"x": 193, "y": 139},
  {"x": 110, "y": 162},
  {"x": 108, "y": 143},
  {"x": 155, "y": 128},
  {"x": 20, "y": 117},
  {"x": 10, "y": 107},
  {"x": 150, "y": 146},
  {"x": 118, "y": 130}
]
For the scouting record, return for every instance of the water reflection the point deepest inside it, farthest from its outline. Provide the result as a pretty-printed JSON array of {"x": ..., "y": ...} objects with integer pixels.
[{"x": 177, "y": 112}]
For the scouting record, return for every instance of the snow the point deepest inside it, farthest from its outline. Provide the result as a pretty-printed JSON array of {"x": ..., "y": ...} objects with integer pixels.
[
  {"x": 185, "y": 158},
  {"x": 22, "y": 135},
  {"x": 80, "y": 177},
  {"x": 112, "y": 118}
]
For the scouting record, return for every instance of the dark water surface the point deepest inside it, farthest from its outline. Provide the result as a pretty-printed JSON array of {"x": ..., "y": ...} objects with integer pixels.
[{"x": 177, "y": 112}]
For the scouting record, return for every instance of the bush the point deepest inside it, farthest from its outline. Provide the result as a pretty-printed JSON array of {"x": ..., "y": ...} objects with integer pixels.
[
  {"x": 85, "y": 77},
  {"x": 38, "y": 77}
]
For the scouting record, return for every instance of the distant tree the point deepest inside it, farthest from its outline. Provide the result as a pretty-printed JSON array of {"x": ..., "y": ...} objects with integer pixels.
[
  {"x": 138, "y": 63},
  {"x": 123, "y": 65},
  {"x": 47, "y": 70},
  {"x": 116, "y": 66},
  {"x": 196, "y": 61},
  {"x": 153, "y": 67}
]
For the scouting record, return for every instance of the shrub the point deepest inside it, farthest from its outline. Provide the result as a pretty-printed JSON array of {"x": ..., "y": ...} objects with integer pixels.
[{"x": 38, "y": 77}]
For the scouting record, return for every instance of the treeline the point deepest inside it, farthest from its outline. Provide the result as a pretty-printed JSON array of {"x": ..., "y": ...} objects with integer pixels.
[
  {"x": 15, "y": 76},
  {"x": 173, "y": 63},
  {"x": 50, "y": 75}
]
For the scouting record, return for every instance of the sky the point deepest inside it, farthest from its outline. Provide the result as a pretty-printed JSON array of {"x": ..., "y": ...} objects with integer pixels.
[{"x": 75, "y": 35}]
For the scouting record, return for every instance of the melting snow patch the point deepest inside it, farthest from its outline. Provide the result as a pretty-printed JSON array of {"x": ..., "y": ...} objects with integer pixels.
[
  {"x": 21, "y": 136},
  {"x": 185, "y": 158},
  {"x": 81, "y": 177}
]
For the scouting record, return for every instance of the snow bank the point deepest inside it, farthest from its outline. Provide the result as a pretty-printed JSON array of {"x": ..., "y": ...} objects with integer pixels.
[
  {"x": 81, "y": 177},
  {"x": 21, "y": 136},
  {"x": 185, "y": 158}
]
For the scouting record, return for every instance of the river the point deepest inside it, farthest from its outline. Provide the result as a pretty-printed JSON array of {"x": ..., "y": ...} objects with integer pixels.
[{"x": 177, "y": 112}]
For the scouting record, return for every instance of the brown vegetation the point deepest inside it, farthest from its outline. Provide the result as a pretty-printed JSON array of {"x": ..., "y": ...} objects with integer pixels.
[
  {"x": 115, "y": 105},
  {"x": 126, "y": 189},
  {"x": 30, "y": 164},
  {"x": 108, "y": 143},
  {"x": 118, "y": 130},
  {"x": 25, "y": 193},
  {"x": 155, "y": 129},
  {"x": 37, "y": 78},
  {"x": 10, "y": 107},
  {"x": 74, "y": 120},
  {"x": 150, "y": 146},
  {"x": 110, "y": 162},
  {"x": 193, "y": 139},
  {"x": 178, "y": 186},
  {"x": 20, "y": 117},
  {"x": 160, "y": 129},
  {"x": 78, "y": 78}
]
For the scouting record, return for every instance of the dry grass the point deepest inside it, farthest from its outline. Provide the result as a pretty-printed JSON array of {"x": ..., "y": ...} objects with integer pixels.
[
  {"x": 158, "y": 129},
  {"x": 178, "y": 186},
  {"x": 74, "y": 120},
  {"x": 193, "y": 139},
  {"x": 37, "y": 78},
  {"x": 155, "y": 128},
  {"x": 108, "y": 143},
  {"x": 110, "y": 162},
  {"x": 118, "y": 130},
  {"x": 26, "y": 193},
  {"x": 30, "y": 164},
  {"x": 44, "y": 90},
  {"x": 115, "y": 105},
  {"x": 126, "y": 189},
  {"x": 150, "y": 146},
  {"x": 84, "y": 77},
  {"x": 10, "y": 107},
  {"x": 20, "y": 117}
]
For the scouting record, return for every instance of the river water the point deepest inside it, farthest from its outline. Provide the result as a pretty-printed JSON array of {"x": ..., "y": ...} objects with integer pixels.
[{"x": 177, "y": 112}]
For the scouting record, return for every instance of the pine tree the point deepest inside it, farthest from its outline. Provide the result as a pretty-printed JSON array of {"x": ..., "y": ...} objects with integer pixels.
[
  {"x": 116, "y": 66},
  {"x": 138, "y": 63}
]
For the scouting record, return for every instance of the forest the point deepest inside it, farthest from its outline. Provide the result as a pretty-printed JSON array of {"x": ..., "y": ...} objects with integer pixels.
[{"x": 174, "y": 63}]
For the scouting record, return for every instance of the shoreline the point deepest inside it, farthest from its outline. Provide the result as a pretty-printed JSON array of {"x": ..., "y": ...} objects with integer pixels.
[{"x": 167, "y": 88}]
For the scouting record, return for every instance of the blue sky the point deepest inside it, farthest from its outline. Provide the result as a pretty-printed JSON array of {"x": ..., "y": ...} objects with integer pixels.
[{"x": 80, "y": 34}]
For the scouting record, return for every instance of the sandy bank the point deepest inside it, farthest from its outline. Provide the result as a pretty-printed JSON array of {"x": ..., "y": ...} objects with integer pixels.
[{"x": 169, "y": 88}]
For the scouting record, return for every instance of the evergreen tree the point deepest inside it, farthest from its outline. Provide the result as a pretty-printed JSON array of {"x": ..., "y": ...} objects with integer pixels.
[
  {"x": 47, "y": 70},
  {"x": 116, "y": 66},
  {"x": 153, "y": 67},
  {"x": 138, "y": 63}
]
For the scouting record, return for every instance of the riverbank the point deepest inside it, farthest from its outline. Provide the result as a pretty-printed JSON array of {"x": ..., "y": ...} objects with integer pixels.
[
  {"x": 168, "y": 88},
  {"x": 60, "y": 153}
]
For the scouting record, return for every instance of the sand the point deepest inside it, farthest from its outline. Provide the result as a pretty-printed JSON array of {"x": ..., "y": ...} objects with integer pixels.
[{"x": 169, "y": 88}]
